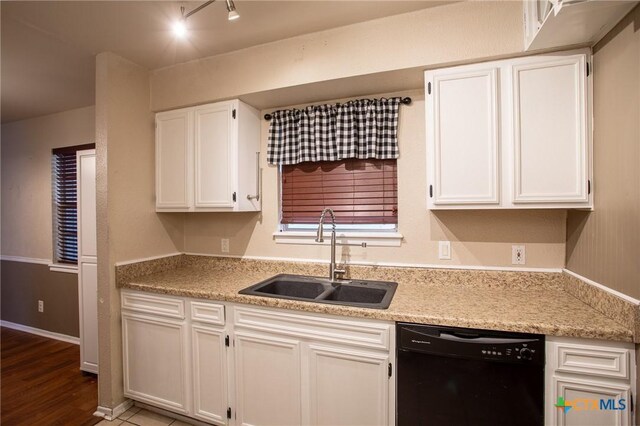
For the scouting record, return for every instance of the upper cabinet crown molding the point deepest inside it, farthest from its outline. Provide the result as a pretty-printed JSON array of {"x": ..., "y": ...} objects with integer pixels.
[
  {"x": 558, "y": 23},
  {"x": 513, "y": 134},
  {"x": 207, "y": 158}
]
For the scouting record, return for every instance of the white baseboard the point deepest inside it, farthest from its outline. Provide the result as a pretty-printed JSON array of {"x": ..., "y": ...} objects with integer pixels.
[
  {"x": 603, "y": 287},
  {"x": 113, "y": 413},
  {"x": 40, "y": 332}
]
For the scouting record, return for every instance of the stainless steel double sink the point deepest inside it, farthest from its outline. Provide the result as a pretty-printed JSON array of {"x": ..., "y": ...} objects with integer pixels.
[{"x": 357, "y": 293}]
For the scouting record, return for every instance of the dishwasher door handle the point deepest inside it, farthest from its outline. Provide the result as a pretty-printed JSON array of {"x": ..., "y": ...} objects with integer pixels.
[{"x": 479, "y": 339}]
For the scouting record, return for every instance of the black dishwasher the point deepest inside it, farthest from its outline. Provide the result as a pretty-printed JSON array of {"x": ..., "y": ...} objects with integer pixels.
[{"x": 458, "y": 376}]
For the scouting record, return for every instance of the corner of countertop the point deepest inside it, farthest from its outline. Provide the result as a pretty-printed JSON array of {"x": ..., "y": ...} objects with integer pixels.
[
  {"x": 624, "y": 312},
  {"x": 129, "y": 271}
]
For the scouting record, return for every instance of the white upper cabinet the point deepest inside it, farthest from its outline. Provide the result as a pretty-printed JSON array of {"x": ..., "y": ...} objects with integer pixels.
[
  {"x": 214, "y": 155},
  {"x": 550, "y": 130},
  {"x": 510, "y": 134},
  {"x": 465, "y": 130},
  {"x": 557, "y": 23},
  {"x": 207, "y": 158},
  {"x": 174, "y": 158}
]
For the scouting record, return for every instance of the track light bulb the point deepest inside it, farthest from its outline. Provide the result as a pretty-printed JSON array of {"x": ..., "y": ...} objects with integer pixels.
[{"x": 180, "y": 28}]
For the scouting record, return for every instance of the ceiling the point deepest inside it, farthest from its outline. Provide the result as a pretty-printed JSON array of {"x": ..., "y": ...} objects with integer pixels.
[{"x": 48, "y": 48}]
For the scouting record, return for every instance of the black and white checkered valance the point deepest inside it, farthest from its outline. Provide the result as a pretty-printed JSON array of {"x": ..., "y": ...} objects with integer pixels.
[{"x": 362, "y": 128}]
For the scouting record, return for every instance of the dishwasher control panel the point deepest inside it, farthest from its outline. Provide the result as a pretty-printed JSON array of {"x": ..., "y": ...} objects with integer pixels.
[{"x": 472, "y": 343}]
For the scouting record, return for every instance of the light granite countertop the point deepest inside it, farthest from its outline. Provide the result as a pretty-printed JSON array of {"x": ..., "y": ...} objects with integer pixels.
[{"x": 510, "y": 301}]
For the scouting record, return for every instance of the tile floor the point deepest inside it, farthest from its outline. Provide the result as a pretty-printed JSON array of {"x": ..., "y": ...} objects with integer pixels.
[{"x": 141, "y": 417}]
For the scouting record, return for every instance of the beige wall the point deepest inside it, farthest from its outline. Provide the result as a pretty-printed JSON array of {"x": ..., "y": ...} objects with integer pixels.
[
  {"x": 27, "y": 220},
  {"x": 481, "y": 238},
  {"x": 26, "y": 177},
  {"x": 425, "y": 38},
  {"x": 128, "y": 227},
  {"x": 604, "y": 245},
  {"x": 304, "y": 67}
]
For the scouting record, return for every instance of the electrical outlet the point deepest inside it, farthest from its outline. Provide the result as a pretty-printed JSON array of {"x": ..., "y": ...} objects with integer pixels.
[
  {"x": 517, "y": 255},
  {"x": 40, "y": 305},
  {"x": 224, "y": 245},
  {"x": 444, "y": 250}
]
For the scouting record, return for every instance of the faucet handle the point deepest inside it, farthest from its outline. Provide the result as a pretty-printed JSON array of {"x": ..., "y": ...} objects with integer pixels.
[
  {"x": 337, "y": 272},
  {"x": 362, "y": 244}
]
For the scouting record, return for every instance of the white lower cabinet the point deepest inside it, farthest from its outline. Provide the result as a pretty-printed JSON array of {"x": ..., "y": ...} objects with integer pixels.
[
  {"x": 175, "y": 355},
  {"x": 589, "y": 382},
  {"x": 268, "y": 385},
  {"x": 209, "y": 356},
  {"x": 348, "y": 387},
  {"x": 310, "y": 369},
  {"x": 264, "y": 367},
  {"x": 155, "y": 361}
]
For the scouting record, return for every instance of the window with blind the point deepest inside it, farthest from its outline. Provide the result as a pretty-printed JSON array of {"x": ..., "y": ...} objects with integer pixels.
[
  {"x": 362, "y": 193},
  {"x": 65, "y": 209}
]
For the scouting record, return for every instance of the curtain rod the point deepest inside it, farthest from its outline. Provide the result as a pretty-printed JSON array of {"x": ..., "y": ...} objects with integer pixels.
[{"x": 404, "y": 101}]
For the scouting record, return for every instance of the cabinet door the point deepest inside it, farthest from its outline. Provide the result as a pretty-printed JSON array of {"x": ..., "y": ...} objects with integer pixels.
[
  {"x": 348, "y": 387},
  {"x": 463, "y": 136},
  {"x": 88, "y": 296},
  {"x": 215, "y": 165},
  {"x": 86, "y": 178},
  {"x": 550, "y": 130},
  {"x": 155, "y": 361},
  {"x": 585, "y": 396},
  {"x": 174, "y": 157},
  {"x": 268, "y": 383},
  {"x": 209, "y": 374},
  {"x": 87, "y": 258}
]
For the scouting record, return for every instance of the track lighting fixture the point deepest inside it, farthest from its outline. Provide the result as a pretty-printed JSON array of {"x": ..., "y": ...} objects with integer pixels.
[
  {"x": 233, "y": 13},
  {"x": 180, "y": 27}
]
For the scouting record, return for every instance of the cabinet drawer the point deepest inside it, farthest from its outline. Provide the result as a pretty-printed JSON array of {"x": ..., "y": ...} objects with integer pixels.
[
  {"x": 152, "y": 304},
  {"x": 344, "y": 331},
  {"x": 208, "y": 313},
  {"x": 593, "y": 360}
]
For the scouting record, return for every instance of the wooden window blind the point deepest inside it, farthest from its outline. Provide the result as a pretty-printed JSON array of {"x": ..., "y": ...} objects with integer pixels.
[
  {"x": 358, "y": 191},
  {"x": 65, "y": 209}
]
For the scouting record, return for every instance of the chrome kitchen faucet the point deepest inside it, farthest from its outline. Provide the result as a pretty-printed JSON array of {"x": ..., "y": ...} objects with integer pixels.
[{"x": 334, "y": 272}]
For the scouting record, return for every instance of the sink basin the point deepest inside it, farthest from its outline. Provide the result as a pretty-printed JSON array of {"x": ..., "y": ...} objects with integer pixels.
[
  {"x": 358, "y": 293},
  {"x": 296, "y": 289}
]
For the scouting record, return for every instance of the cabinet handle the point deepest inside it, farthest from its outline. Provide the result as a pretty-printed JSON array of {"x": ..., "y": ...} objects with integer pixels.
[{"x": 257, "y": 196}]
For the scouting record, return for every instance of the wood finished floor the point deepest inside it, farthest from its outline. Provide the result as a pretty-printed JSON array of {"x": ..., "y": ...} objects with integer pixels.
[{"x": 42, "y": 383}]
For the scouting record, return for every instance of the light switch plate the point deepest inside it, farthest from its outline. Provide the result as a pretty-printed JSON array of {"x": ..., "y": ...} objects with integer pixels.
[{"x": 444, "y": 250}]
